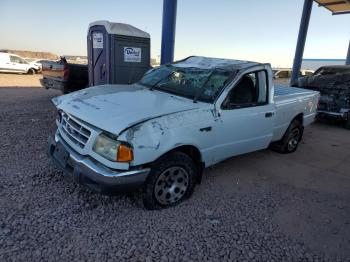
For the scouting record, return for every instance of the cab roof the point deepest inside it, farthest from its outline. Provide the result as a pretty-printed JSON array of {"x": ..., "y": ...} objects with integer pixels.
[{"x": 203, "y": 62}]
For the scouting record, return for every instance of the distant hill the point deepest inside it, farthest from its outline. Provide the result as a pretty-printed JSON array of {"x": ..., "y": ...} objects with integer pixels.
[
  {"x": 75, "y": 57},
  {"x": 31, "y": 54}
]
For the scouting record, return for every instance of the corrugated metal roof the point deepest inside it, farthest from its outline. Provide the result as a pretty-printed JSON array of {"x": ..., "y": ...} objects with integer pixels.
[{"x": 335, "y": 6}]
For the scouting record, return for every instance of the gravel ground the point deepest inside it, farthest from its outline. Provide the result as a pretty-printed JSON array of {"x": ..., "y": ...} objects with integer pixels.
[{"x": 258, "y": 207}]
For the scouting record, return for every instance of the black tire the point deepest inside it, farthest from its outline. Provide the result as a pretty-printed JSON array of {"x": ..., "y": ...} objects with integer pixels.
[
  {"x": 158, "y": 183},
  {"x": 31, "y": 71},
  {"x": 290, "y": 141},
  {"x": 347, "y": 121}
]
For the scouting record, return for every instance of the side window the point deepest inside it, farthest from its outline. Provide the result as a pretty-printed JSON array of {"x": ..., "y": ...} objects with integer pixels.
[
  {"x": 251, "y": 90},
  {"x": 22, "y": 61},
  {"x": 15, "y": 59}
]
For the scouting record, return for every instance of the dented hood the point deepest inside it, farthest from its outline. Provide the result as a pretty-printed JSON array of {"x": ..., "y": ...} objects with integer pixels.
[{"x": 114, "y": 108}]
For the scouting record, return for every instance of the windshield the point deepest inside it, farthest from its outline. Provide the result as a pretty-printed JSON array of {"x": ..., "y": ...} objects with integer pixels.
[{"x": 198, "y": 84}]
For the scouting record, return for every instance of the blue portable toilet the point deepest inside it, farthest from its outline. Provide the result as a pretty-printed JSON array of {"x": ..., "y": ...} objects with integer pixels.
[{"x": 117, "y": 53}]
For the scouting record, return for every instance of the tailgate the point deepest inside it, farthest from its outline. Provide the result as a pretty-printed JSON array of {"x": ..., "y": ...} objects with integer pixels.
[{"x": 57, "y": 70}]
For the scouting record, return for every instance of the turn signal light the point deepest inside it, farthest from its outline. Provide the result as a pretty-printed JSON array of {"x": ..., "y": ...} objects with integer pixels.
[{"x": 125, "y": 154}]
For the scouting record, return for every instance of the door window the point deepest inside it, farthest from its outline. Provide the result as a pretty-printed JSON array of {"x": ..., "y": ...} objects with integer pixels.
[
  {"x": 15, "y": 59},
  {"x": 251, "y": 90}
]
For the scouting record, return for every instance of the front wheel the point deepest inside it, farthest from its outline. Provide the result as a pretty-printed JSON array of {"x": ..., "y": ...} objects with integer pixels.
[
  {"x": 290, "y": 141},
  {"x": 171, "y": 180},
  {"x": 31, "y": 71}
]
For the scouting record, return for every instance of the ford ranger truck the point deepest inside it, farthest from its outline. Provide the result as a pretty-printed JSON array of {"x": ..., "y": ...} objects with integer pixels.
[{"x": 159, "y": 134}]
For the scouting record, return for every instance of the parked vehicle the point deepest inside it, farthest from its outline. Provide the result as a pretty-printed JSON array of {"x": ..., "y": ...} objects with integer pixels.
[
  {"x": 64, "y": 76},
  {"x": 37, "y": 62},
  {"x": 157, "y": 135},
  {"x": 287, "y": 73},
  {"x": 11, "y": 63},
  {"x": 333, "y": 82}
]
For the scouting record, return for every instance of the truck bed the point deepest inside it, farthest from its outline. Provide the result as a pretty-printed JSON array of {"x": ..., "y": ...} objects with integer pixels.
[
  {"x": 288, "y": 101},
  {"x": 283, "y": 92}
]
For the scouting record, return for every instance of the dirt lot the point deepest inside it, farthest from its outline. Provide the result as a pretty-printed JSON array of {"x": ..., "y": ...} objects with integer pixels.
[
  {"x": 261, "y": 206},
  {"x": 17, "y": 80}
]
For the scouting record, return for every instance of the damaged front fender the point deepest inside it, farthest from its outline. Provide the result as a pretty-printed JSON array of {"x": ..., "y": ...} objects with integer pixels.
[{"x": 155, "y": 137}]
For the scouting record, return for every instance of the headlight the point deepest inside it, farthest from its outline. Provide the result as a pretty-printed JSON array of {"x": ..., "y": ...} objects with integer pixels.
[{"x": 112, "y": 150}]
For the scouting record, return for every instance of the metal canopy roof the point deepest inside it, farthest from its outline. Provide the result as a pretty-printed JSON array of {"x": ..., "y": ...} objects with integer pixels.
[{"x": 337, "y": 7}]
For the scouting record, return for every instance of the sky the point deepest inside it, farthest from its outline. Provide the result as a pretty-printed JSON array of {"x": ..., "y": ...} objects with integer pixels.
[{"x": 263, "y": 31}]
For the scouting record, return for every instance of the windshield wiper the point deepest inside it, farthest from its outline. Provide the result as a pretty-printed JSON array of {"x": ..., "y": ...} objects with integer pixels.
[{"x": 154, "y": 85}]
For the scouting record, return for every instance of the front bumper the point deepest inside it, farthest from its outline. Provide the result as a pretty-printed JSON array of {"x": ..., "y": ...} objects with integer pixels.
[{"x": 86, "y": 171}]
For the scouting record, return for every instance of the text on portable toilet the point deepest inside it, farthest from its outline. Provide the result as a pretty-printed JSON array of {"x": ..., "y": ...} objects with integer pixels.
[
  {"x": 132, "y": 54},
  {"x": 97, "y": 40}
]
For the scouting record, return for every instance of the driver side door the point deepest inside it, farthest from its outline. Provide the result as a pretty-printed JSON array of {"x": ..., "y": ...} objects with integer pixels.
[{"x": 246, "y": 117}]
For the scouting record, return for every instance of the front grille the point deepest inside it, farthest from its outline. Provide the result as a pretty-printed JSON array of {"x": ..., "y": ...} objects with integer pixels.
[{"x": 77, "y": 133}]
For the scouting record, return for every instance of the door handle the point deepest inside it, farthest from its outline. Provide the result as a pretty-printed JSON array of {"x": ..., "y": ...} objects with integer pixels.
[
  {"x": 205, "y": 129},
  {"x": 269, "y": 114}
]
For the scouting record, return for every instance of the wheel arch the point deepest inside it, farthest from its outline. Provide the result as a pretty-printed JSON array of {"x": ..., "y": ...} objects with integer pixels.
[
  {"x": 300, "y": 118},
  {"x": 32, "y": 68},
  {"x": 194, "y": 153}
]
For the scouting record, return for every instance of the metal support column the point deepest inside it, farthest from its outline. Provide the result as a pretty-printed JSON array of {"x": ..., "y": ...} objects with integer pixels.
[
  {"x": 347, "y": 62},
  {"x": 168, "y": 31},
  {"x": 299, "y": 51}
]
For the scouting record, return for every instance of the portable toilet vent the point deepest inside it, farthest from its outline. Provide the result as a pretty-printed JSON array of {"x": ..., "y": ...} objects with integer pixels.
[{"x": 117, "y": 53}]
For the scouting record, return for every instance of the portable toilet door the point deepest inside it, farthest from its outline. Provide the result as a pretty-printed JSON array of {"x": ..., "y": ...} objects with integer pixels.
[{"x": 98, "y": 45}]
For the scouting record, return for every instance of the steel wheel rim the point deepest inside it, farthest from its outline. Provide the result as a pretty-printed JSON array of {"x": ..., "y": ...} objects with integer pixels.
[
  {"x": 171, "y": 185},
  {"x": 294, "y": 140}
]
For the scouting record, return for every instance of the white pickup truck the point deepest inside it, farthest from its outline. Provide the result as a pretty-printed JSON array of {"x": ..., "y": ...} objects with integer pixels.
[{"x": 157, "y": 135}]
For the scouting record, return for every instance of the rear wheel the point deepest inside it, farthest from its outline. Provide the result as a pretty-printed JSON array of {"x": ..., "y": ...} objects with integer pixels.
[
  {"x": 290, "y": 141},
  {"x": 347, "y": 121},
  {"x": 171, "y": 180},
  {"x": 31, "y": 71}
]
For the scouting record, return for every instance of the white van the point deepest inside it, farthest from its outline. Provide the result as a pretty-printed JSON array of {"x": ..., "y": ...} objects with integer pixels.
[{"x": 10, "y": 63}]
